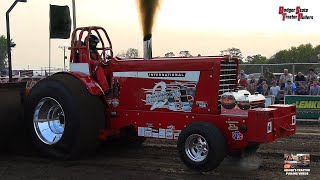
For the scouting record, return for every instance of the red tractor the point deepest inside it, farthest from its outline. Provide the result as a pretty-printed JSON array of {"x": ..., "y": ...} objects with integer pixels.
[{"x": 192, "y": 100}]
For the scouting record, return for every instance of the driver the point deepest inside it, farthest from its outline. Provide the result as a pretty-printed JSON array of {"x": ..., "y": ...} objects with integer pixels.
[{"x": 96, "y": 65}]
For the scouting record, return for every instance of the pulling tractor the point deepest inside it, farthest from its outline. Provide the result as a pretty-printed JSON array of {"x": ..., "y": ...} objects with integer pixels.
[{"x": 192, "y": 100}]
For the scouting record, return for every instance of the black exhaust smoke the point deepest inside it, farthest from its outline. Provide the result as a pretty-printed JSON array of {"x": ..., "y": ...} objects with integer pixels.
[{"x": 147, "y": 11}]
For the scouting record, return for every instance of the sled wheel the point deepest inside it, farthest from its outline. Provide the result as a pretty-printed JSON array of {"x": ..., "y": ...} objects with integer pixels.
[
  {"x": 201, "y": 146},
  {"x": 63, "y": 118}
]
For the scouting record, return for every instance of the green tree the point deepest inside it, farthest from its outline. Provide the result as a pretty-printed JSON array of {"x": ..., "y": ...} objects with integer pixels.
[
  {"x": 129, "y": 53},
  {"x": 233, "y": 52},
  {"x": 304, "y": 53},
  {"x": 185, "y": 54},
  {"x": 3, "y": 53},
  {"x": 169, "y": 54},
  {"x": 256, "y": 59}
]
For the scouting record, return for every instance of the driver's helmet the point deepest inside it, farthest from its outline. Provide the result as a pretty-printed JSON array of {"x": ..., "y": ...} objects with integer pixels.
[{"x": 93, "y": 42}]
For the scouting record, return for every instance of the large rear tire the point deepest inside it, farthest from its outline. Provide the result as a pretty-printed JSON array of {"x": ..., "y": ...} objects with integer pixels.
[
  {"x": 201, "y": 146},
  {"x": 63, "y": 118}
]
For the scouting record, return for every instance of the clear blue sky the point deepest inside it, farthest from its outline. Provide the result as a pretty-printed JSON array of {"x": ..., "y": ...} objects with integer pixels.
[{"x": 202, "y": 27}]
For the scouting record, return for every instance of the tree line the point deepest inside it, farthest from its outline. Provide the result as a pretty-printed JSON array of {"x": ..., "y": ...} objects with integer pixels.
[{"x": 304, "y": 53}]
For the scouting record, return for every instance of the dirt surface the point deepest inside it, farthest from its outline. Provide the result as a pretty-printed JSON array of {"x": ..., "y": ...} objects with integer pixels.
[{"x": 160, "y": 160}]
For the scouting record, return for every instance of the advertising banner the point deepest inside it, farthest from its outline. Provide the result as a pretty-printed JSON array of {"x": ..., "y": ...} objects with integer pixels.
[{"x": 308, "y": 107}]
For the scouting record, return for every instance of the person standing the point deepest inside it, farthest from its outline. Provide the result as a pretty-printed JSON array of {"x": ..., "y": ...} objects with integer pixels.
[
  {"x": 252, "y": 86},
  {"x": 269, "y": 76},
  {"x": 299, "y": 77},
  {"x": 285, "y": 77},
  {"x": 311, "y": 76},
  {"x": 243, "y": 79},
  {"x": 274, "y": 91},
  {"x": 265, "y": 90}
]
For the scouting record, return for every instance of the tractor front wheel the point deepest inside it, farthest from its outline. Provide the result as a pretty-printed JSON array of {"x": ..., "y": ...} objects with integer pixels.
[{"x": 201, "y": 146}]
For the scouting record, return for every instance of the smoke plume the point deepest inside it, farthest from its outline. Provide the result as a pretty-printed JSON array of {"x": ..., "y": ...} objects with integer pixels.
[{"x": 148, "y": 11}]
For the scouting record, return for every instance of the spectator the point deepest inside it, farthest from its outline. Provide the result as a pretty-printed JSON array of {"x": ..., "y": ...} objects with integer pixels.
[
  {"x": 252, "y": 86},
  {"x": 290, "y": 84},
  {"x": 243, "y": 79},
  {"x": 311, "y": 76},
  {"x": 290, "y": 91},
  {"x": 275, "y": 91},
  {"x": 299, "y": 77},
  {"x": 261, "y": 79},
  {"x": 301, "y": 89},
  {"x": 314, "y": 89},
  {"x": 242, "y": 75},
  {"x": 259, "y": 87},
  {"x": 265, "y": 89},
  {"x": 269, "y": 76},
  {"x": 285, "y": 77}
]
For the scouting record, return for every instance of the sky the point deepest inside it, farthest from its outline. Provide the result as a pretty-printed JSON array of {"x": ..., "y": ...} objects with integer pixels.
[{"x": 203, "y": 27}]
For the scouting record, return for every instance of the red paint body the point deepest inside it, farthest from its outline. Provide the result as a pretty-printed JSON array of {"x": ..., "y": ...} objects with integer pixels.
[
  {"x": 128, "y": 105},
  {"x": 133, "y": 111}
]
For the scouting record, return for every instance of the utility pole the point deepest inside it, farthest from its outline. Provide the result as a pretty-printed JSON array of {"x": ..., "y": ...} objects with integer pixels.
[
  {"x": 9, "y": 44},
  {"x": 64, "y": 55}
]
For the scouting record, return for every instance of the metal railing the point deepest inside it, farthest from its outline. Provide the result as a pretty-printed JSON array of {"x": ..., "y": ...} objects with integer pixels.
[{"x": 293, "y": 68}]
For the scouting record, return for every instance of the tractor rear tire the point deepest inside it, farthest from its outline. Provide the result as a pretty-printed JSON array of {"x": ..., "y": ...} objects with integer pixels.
[
  {"x": 201, "y": 146},
  {"x": 82, "y": 117}
]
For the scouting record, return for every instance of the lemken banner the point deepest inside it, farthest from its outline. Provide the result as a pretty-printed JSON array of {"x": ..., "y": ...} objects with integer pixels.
[{"x": 308, "y": 107}]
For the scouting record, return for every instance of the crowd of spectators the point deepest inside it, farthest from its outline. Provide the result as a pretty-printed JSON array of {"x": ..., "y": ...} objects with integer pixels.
[{"x": 286, "y": 84}]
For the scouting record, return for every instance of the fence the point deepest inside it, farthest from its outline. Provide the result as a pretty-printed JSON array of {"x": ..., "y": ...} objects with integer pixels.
[
  {"x": 44, "y": 71},
  {"x": 277, "y": 69}
]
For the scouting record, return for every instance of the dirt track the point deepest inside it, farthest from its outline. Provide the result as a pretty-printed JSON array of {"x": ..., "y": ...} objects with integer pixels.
[{"x": 160, "y": 160}]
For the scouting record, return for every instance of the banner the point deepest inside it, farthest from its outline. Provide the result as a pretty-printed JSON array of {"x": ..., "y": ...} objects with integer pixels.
[
  {"x": 60, "y": 22},
  {"x": 308, "y": 107}
]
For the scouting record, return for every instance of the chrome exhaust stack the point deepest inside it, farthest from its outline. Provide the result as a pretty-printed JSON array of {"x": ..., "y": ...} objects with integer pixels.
[{"x": 147, "y": 47}]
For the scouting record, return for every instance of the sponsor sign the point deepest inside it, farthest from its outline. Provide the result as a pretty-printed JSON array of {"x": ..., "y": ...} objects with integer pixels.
[
  {"x": 236, "y": 135},
  {"x": 148, "y": 132},
  {"x": 175, "y": 96},
  {"x": 140, "y": 131},
  {"x": 169, "y": 133},
  {"x": 232, "y": 127},
  {"x": 176, "y": 134},
  {"x": 162, "y": 133},
  {"x": 308, "y": 107}
]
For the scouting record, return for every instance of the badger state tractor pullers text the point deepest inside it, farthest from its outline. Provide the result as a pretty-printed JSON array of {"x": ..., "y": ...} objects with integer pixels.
[{"x": 191, "y": 100}]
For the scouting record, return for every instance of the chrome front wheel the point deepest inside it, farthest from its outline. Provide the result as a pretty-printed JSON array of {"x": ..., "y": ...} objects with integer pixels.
[
  {"x": 201, "y": 146},
  {"x": 196, "y": 147}
]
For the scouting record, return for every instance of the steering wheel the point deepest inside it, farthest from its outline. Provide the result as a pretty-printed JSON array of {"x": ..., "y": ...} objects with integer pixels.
[{"x": 105, "y": 56}]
